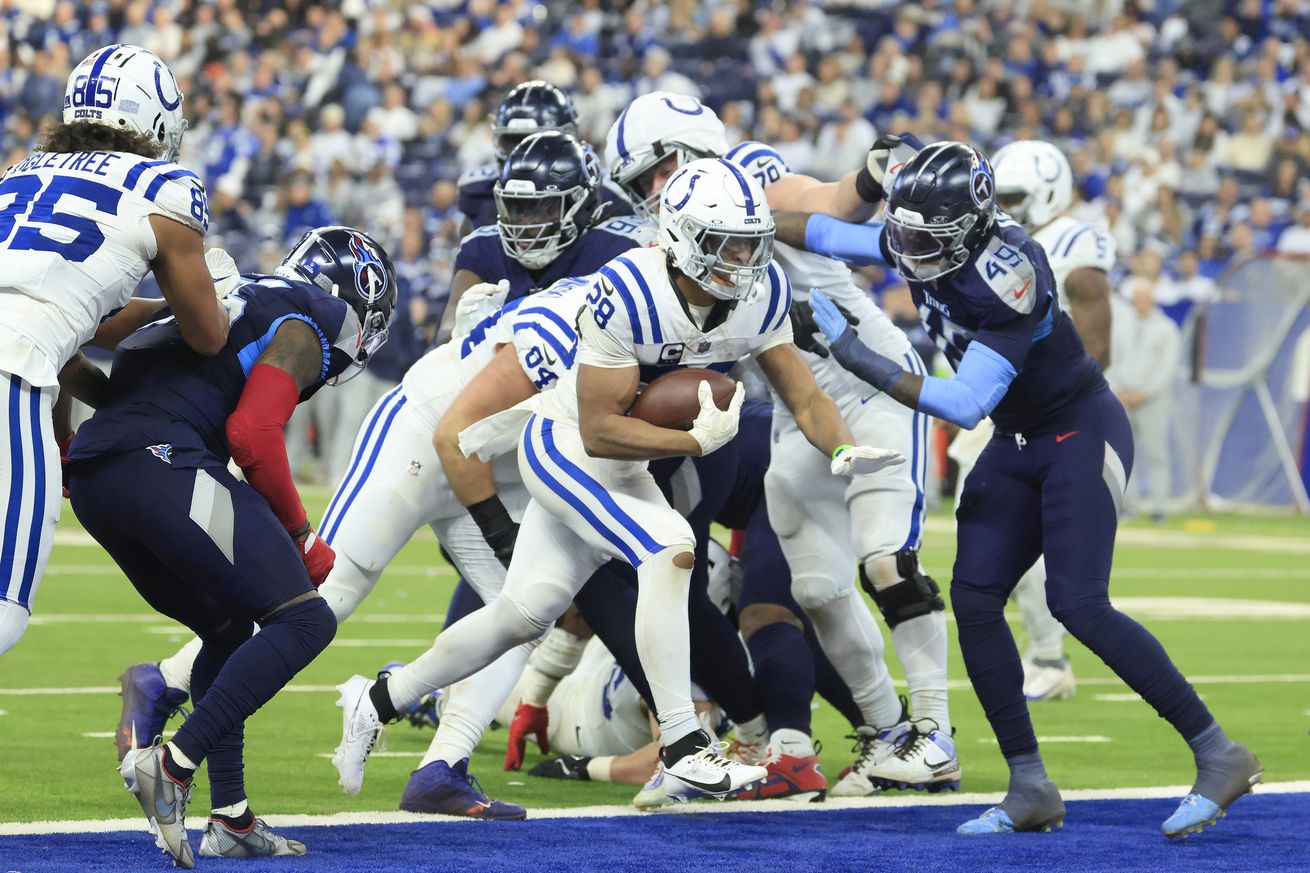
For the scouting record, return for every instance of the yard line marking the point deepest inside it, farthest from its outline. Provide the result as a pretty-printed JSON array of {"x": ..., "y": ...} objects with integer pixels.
[
  {"x": 99, "y": 735},
  {"x": 955, "y": 684},
  {"x": 1171, "y": 539},
  {"x": 1041, "y": 740},
  {"x": 625, "y": 811},
  {"x": 379, "y": 755}
]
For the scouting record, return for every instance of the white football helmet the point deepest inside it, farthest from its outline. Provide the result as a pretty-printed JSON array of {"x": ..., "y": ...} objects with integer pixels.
[
  {"x": 127, "y": 87},
  {"x": 717, "y": 227},
  {"x": 654, "y": 126},
  {"x": 1034, "y": 182}
]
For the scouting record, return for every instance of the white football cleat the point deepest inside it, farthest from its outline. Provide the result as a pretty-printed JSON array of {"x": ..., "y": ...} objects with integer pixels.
[
  {"x": 925, "y": 759},
  {"x": 872, "y": 747},
  {"x": 361, "y": 730},
  {"x": 707, "y": 773},
  {"x": 1048, "y": 680},
  {"x": 652, "y": 795}
]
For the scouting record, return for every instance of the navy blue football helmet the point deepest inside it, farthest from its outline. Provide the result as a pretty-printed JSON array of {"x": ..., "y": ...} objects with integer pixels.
[
  {"x": 941, "y": 206},
  {"x": 529, "y": 108},
  {"x": 353, "y": 266},
  {"x": 548, "y": 193}
]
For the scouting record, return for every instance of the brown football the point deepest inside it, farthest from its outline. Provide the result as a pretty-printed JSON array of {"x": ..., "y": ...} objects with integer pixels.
[{"x": 672, "y": 400}]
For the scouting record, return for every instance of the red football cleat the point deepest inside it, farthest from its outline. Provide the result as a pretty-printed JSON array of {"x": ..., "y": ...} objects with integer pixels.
[{"x": 795, "y": 778}]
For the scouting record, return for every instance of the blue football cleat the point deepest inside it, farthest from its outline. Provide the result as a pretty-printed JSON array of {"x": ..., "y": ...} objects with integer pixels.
[
  {"x": 1192, "y": 816},
  {"x": 1240, "y": 771},
  {"x": 998, "y": 821},
  {"x": 148, "y": 704},
  {"x": 445, "y": 790}
]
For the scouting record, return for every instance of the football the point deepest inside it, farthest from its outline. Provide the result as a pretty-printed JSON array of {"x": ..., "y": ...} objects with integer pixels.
[{"x": 672, "y": 401}]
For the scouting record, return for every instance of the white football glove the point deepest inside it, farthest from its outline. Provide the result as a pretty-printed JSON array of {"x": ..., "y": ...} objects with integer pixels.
[
  {"x": 888, "y": 153},
  {"x": 861, "y": 460},
  {"x": 477, "y": 303},
  {"x": 223, "y": 270},
  {"x": 714, "y": 427}
]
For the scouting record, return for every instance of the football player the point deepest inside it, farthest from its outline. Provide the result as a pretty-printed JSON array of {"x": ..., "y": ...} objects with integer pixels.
[
  {"x": 81, "y": 222},
  {"x": 1034, "y": 186},
  {"x": 149, "y": 480},
  {"x": 829, "y": 526},
  {"x": 709, "y": 295},
  {"x": 1051, "y": 479}
]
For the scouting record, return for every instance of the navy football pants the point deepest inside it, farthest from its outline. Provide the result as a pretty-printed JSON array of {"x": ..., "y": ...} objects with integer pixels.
[
  {"x": 206, "y": 550},
  {"x": 1057, "y": 494}
]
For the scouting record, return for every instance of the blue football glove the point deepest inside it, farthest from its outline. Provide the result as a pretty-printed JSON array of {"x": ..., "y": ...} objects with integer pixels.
[{"x": 827, "y": 316}]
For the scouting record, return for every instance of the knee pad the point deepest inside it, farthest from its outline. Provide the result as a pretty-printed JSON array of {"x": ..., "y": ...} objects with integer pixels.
[
  {"x": 13, "y": 623},
  {"x": 817, "y": 591},
  {"x": 900, "y": 587}
]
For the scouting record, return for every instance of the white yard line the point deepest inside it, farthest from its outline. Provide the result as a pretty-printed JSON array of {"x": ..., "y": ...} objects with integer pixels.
[
  {"x": 1045, "y": 740},
  {"x": 740, "y": 806}
]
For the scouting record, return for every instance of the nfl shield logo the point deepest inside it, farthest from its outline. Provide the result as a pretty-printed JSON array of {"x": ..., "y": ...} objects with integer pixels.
[
  {"x": 703, "y": 347},
  {"x": 413, "y": 468}
]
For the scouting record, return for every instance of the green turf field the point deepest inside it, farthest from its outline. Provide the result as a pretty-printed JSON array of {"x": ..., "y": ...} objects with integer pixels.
[{"x": 1249, "y": 659}]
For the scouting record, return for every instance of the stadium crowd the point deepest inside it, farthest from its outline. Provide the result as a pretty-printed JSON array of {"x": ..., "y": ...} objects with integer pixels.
[{"x": 1187, "y": 124}]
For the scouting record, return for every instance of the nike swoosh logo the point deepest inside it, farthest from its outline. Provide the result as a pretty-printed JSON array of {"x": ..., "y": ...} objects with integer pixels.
[
  {"x": 938, "y": 765},
  {"x": 864, "y": 400},
  {"x": 1023, "y": 290},
  {"x": 1064, "y": 436},
  {"x": 711, "y": 787}
]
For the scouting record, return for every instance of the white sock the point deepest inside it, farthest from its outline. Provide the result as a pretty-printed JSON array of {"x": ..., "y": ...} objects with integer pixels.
[
  {"x": 236, "y": 810},
  {"x": 177, "y": 667},
  {"x": 1045, "y": 633},
  {"x": 789, "y": 741},
  {"x": 853, "y": 643},
  {"x": 181, "y": 759},
  {"x": 664, "y": 641},
  {"x": 754, "y": 732},
  {"x": 473, "y": 703},
  {"x": 921, "y": 647}
]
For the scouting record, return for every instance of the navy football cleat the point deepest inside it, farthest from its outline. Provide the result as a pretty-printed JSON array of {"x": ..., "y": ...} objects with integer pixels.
[
  {"x": 445, "y": 790},
  {"x": 148, "y": 704}
]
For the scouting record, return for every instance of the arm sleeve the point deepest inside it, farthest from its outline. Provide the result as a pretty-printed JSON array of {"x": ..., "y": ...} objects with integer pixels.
[
  {"x": 254, "y": 435},
  {"x": 854, "y": 243},
  {"x": 970, "y": 396}
]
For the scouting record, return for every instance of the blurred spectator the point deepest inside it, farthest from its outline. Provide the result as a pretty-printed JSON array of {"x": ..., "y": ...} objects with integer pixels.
[
  {"x": 1295, "y": 241},
  {"x": 303, "y": 210},
  {"x": 1145, "y": 356}
]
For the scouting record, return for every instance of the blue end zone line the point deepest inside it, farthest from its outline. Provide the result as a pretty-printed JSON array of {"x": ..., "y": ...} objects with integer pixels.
[{"x": 727, "y": 807}]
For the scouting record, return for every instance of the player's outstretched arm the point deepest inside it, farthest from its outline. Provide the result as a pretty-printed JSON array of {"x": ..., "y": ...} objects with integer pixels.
[
  {"x": 1088, "y": 290},
  {"x": 604, "y": 395},
  {"x": 815, "y": 412},
  {"x": 983, "y": 377},
  {"x": 500, "y": 385},
  {"x": 183, "y": 276},
  {"x": 292, "y": 362},
  {"x": 839, "y": 199},
  {"x": 823, "y": 235}
]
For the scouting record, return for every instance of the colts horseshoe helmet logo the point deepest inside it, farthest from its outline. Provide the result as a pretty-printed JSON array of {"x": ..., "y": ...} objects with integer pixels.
[{"x": 370, "y": 276}]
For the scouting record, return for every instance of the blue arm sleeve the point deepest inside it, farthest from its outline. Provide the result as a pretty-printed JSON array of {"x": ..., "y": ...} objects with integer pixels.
[
  {"x": 854, "y": 243},
  {"x": 979, "y": 384}
]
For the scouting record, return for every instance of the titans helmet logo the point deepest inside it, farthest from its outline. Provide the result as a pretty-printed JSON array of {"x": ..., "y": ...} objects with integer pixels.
[{"x": 370, "y": 276}]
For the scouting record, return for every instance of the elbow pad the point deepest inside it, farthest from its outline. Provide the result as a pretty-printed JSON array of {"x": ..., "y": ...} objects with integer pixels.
[{"x": 254, "y": 436}]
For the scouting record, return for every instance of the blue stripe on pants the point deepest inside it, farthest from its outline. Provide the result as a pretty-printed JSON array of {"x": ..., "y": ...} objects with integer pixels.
[
  {"x": 9, "y": 546},
  {"x": 38, "y": 500},
  {"x": 376, "y": 416},
  {"x": 368, "y": 467}
]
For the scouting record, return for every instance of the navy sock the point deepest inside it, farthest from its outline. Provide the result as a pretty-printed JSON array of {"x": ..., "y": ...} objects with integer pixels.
[
  {"x": 608, "y": 603},
  {"x": 718, "y": 659},
  {"x": 784, "y": 675},
  {"x": 175, "y": 770},
  {"x": 991, "y": 659},
  {"x": 226, "y": 768},
  {"x": 1137, "y": 658},
  {"x": 257, "y": 670},
  {"x": 243, "y": 822}
]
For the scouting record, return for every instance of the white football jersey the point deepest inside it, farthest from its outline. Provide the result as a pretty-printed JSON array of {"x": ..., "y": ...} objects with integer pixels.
[
  {"x": 807, "y": 270},
  {"x": 1071, "y": 244},
  {"x": 76, "y": 240},
  {"x": 595, "y": 710},
  {"x": 635, "y": 317},
  {"x": 542, "y": 328}
]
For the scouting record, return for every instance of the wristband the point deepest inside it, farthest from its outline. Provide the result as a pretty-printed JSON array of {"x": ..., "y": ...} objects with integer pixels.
[
  {"x": 868, "y": 190},
  {"x": 491, "y": 517},
  {"x": 841, "y": 448},
  {"x": 599, "y": 769}
]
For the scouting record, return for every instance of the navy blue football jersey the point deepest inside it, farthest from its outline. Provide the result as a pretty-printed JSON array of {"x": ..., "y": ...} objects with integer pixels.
[
  {"x": 478, "y": 202},
  {"x": 482, "y": 254},
  {"x": 166, "y": 397},
  {"x": 1005, "y": 296}
]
